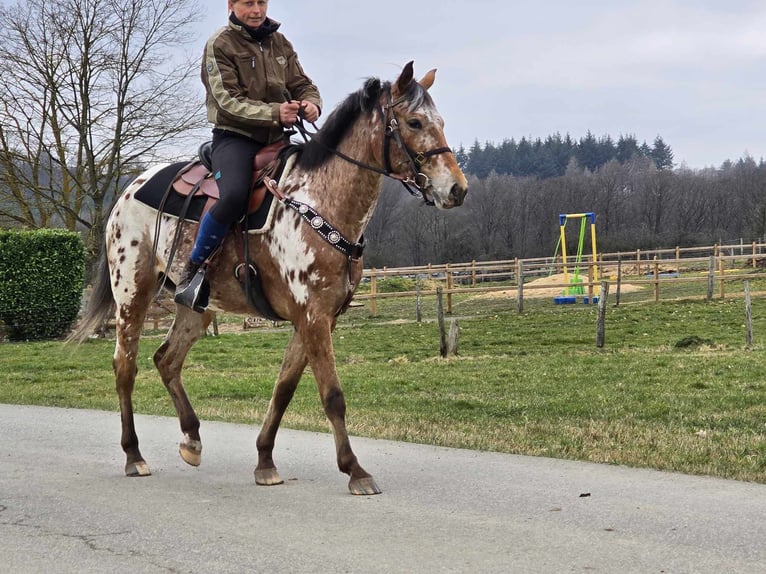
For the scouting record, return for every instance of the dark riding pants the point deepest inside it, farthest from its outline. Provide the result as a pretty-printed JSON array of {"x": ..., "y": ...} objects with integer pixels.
[{"x": 232, "y": 161}]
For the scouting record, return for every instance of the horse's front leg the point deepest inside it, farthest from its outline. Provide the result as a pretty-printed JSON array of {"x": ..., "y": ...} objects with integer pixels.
[
  {"x": 188, "y": 326},
  {"x": 293, "y": 364},
  {"x": 317, "y": 340}
]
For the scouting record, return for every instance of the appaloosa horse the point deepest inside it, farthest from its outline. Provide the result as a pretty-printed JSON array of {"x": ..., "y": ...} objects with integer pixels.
[{"x": 307, "y": 258}]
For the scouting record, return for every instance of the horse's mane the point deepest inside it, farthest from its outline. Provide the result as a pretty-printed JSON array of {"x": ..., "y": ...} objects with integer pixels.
[{"x": 364, "y": 101}]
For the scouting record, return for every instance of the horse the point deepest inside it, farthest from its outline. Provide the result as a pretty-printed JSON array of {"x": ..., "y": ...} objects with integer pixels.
[{"x": 308, "y": 259}]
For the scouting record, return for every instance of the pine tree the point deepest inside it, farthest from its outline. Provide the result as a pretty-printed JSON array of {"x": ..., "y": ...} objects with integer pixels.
[{"x": 661, "y": 154}]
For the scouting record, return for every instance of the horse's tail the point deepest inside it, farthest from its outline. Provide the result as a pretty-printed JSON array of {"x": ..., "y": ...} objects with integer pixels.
[{"x": 100, "y": 306}]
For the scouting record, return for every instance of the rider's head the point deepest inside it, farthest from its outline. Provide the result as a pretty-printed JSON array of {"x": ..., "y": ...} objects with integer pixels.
[{"x": 252, "y": 13}]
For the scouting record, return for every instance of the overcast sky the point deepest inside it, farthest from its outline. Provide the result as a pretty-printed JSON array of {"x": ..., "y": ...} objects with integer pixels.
[{"x": 691, "y": 71}]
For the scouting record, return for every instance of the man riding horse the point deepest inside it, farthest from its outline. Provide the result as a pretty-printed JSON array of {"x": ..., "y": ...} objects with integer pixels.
[{"x": 251, "y": 74}]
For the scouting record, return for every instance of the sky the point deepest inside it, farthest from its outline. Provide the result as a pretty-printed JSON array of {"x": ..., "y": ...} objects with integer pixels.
[{"x": 690, "y": 71}]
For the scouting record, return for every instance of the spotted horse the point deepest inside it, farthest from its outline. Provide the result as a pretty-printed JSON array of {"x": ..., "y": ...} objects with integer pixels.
[{"x": 308, "y": 260}]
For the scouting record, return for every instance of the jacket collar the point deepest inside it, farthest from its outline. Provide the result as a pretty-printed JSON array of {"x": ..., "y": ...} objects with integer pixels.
[{"x": 265, "y": 30}]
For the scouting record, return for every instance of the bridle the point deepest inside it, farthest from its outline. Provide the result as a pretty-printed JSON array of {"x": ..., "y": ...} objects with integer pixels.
[{"x": 416, "y": 159}]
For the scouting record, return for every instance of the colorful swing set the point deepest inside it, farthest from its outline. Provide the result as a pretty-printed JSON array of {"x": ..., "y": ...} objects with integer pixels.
[{"x": 575, "y": 286}]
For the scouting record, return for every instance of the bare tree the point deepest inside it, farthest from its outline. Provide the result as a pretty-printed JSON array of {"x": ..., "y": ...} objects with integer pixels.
[{"x": 92, "y": 91}]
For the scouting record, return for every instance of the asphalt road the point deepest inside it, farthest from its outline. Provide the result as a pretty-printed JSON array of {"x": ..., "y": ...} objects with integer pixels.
[{"x": 65, "y": 506}]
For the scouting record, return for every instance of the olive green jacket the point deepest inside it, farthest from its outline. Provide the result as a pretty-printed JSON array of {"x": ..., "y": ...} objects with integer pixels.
[{"x": 246, "y": 79}]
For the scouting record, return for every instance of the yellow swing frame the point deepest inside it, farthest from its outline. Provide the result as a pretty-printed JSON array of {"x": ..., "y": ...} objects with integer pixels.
[{"x": 591, "y": 217}]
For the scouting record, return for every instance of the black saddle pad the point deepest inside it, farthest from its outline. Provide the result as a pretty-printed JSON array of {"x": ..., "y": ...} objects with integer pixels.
[{"x": 153, "y": 190}]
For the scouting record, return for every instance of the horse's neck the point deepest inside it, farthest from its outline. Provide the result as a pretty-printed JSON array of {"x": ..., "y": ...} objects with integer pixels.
[{"x": 349, "y": 193}]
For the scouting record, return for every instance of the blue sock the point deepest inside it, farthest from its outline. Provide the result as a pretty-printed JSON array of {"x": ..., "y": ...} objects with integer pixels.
[{"x": 209, "y": 236}]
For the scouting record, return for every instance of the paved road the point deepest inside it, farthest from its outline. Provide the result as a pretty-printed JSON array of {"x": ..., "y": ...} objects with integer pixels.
[{"x": 66, "y": 507}]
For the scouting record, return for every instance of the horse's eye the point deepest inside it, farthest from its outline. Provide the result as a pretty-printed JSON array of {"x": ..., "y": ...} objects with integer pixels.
[{"x": 415, "y": 124}]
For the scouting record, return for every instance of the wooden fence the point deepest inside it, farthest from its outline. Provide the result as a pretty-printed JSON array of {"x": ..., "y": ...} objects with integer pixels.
[{"x": 713, "y": 266}]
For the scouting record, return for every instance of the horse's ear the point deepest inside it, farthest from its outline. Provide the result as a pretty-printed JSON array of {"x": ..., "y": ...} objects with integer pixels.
[
  {"x": 404, "y": 81},
  {"x": 428, "y": 80},
  {"x": 370, "y": 94}
]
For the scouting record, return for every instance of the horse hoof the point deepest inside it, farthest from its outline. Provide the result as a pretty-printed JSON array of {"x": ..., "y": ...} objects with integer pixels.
[
  {"x": 267, "y": 477},
  {"x": 363, "y": 486},
  {"x": 190, "y": 450},
  {"x": 139, "y": 468}
]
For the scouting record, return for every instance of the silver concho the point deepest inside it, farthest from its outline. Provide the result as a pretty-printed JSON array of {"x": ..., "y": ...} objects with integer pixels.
[
  {"x": 303, "y": 208},
  {"x": 317, "y": 222},
  {"x": 333, "y": 237}
]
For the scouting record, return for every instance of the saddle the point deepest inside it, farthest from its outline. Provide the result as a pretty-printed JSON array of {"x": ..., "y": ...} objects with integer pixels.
[{"x": 197, "y": 179}]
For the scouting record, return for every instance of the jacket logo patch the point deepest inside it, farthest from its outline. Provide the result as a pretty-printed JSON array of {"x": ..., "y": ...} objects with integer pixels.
[{"x": 281, "y": 60}]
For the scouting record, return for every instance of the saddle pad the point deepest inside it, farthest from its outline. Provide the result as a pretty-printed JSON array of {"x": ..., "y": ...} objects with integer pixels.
[{"x": 153, "y": 190}]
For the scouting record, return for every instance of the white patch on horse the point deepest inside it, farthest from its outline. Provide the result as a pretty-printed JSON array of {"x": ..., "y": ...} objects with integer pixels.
[
  {"x": 292, "y": 255},
  {"x": 131, "y": 228}
]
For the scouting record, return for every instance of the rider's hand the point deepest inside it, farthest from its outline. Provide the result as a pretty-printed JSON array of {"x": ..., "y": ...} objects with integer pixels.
[
  {"x": 288, "y": 113},
  {"x": 310, "y": 111}
]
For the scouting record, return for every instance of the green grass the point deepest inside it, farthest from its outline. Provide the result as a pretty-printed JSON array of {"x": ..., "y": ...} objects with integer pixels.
[{"x": 531, "y": 383}]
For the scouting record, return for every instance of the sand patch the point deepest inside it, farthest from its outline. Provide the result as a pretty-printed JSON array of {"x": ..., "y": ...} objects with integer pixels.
[{"x": 550, "y": 286}]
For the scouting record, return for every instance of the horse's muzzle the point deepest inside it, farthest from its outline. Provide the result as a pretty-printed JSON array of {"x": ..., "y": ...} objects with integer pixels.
[{"x": 457, "y": 194}]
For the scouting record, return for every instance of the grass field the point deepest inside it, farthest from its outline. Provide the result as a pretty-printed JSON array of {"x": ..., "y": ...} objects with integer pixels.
[{"x": 531, "y": 383}]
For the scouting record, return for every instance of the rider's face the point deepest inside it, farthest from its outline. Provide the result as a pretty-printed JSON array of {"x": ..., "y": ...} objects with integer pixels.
[{"x": 249, "y": 12}]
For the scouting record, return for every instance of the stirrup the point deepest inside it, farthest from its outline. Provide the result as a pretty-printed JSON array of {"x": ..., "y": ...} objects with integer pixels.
[{"x": 195, "y": 295}]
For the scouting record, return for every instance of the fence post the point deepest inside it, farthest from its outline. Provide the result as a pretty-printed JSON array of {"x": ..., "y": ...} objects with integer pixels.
[
  {"x": 448, "y": 276},
  {"x": 473, "y": 273},
  {"x": 722, "y": 270},
  {"x": 754, "y": 265},
  {"x": 748, "y": 316},
  {"x": 619, "y": 280},
  {"x": 419, "y": 300},
  {"x": 453, "y": 338},
  {"x": 710, "y": 277},
  {"x": 520, "y": 285},
  {"x": 373, "y": 292},
  {"x": 601, "y": 321},
  {"x": 440, "y": 317},
  {"x": 656, "y": 280},
  {"x": 638, "y": 262}
]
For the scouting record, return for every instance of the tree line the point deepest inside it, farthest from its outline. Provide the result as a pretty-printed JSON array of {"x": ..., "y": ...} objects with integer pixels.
[
  {"x": 556, "y": 154},
  {"x": 637, "y": 206}
]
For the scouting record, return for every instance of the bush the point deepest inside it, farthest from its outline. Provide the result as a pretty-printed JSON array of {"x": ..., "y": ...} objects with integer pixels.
[
  {"x": 396, "y": 285},
  {"x": 41, "y": 281}
]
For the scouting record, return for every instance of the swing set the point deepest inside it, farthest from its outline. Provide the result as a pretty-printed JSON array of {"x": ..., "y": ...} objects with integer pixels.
[{"x": 575, "y": 287}]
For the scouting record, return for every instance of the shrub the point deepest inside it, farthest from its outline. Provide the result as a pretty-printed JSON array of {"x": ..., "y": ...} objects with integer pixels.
[
  {"x": 41, "y": 281},
  {"x": 396, "y": 285}
]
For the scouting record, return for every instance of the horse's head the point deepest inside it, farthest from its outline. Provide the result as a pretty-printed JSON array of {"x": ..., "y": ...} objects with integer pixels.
[{"x": 416, "y": 148}]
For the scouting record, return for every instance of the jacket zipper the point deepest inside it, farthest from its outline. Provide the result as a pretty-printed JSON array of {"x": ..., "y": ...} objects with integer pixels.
[{"x": 252, "y": 60}]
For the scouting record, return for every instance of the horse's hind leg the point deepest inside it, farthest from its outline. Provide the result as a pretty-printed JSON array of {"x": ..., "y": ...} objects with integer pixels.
[
  {"x": 186, "y": 329},
  {"x": 293, "y": 364},
  {"x": 129, "y": 326}
]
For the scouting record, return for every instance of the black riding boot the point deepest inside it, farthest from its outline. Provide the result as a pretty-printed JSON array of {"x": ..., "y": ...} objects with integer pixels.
[{"x": 193, "y": 290}]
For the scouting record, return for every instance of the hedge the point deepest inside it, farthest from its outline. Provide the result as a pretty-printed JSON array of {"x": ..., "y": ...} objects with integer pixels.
[{"x": 41, "y": 281}]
